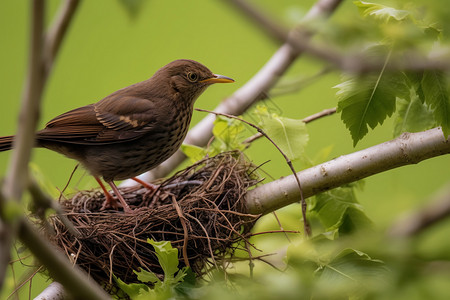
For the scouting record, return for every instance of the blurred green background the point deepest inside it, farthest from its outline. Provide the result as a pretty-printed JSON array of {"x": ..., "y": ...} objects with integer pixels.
[{"x": 108, "y": 47}]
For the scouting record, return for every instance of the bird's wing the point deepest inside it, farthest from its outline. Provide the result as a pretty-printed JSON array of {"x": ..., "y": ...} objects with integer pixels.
[
  {"x": 105, "y": 122},
  {"x": 130, "y": 116}
]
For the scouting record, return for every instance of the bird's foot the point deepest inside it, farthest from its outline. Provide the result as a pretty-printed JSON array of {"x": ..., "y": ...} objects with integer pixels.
[
  {"x": 109, "y": 203},
  {"x": 114, "y": 204}
]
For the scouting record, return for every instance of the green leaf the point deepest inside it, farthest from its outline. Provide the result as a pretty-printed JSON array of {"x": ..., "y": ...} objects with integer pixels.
[
  {"x": 381, "y": 12},
  {"x": 167, "y": 257},
  {"x": 414, "y": 81},
  {"x": 339, "y": 209},
  {"x": 435, "y": 90},
  {"x": 354, "y": 272},
  {"x": 289, "y": 134},
  {"x": 367, "y": 100},
  {"x": 194, "y": 153},
  {"x": 432, "y": 31},
  {"x": 412, "y": 115},
  {"x": 188, "y": 283},
  {"x": 132, "y": 289},
  {"x": 227, "y": 132},
  {"x": 146, "y": 276}
]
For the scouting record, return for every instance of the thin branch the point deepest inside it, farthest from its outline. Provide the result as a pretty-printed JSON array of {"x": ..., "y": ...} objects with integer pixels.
[
  {"x": 185, "y": 230},
  {"x": 271, "y": 27},
  {"x": 17, "y": 179},
  {"x": 57, "y": 31},
  {"x": 436, "y": 210},
  {"x": 360, "y": 62},
  {"x": 321, "y": 114},
  {"x": 251, "y": 264},
  {"x": 356, "y": 62},
  {"x": 36, "y": 78},
  {"x": 17, "y": 175},
  {"x": 281, "y": 226},
  {"x": 247, "y": 95},
  {"x": 409, "y": 148},
  {"x": 316, "y": 116},
  {"x": 42, "y": 202},
  {"x": 289, "y": 86},
  {"x": 288, "y": 161},
  {"x": 29, "y": 275}
]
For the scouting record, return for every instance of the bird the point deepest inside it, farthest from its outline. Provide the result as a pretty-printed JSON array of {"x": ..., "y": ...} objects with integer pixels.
[{"x": 132, "y": 130}]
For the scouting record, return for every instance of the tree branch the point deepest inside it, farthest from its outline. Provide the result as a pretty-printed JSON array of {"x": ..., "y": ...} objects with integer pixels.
[
  {"x": 17, "y": 176},
  {"x": 247, "y": 95},
  {"x": 360, "y": 62},
  {"x": 53, "y": 291},
  {"x": 409, "y": 148},
  {"x": 437, "y": 209},
  {"x": 74, "y": 280},
  {"x": 11, "y": 223},
  {"x": 277, "y": 32},
  {"x": 57, "y": 31}
]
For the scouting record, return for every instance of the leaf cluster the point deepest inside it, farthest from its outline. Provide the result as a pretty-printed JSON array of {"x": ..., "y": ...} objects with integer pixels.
[
  {"x": 162, "y": 289},
  {"x": 420, "y": 99}
]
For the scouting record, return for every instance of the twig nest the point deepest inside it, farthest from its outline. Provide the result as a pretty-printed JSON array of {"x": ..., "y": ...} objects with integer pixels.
[{"x": 200, "y": 210}]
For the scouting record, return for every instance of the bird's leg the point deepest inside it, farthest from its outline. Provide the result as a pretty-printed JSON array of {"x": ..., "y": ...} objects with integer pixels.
[
  {"x": 109, "y": 200},
  {"x": 147, "y": 185},
  {"x": 125, "y": 206}
]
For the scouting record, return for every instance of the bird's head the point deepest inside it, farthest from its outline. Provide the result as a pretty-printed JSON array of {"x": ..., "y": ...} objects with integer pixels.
[{"x": 189, "y": 78}]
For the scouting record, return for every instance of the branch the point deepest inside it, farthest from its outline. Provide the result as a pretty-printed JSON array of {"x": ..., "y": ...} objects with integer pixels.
[
  {"x": 313, "y": 117},
  {"x": 272, "y": 28},
  {"x": 360, "y": 62},
  {"x": 11, "y": 223},
  {"x": 37, "y": 73},
  {"x": 74, "y": 280},
  {"x": 247, "y": 95},
  {"x": 17, "y": 175},
  {"x": 53, "y": 291},
  {"x": 409, "y": 148},
  {"x": 437, "y": 209},
  {"x": 57, "y": 31},
  {"x": 297, "y": 84}
]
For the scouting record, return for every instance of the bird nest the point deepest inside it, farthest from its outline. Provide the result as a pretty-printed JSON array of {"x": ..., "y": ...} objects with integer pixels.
[{"x": 200, "y": 210}]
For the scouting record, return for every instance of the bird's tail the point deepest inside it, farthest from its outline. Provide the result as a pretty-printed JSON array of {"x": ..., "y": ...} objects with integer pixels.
[{"x": 6, "y": 142}]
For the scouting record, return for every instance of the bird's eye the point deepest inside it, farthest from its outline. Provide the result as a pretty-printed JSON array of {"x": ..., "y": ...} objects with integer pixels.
[{"x": 192, "y": 77}]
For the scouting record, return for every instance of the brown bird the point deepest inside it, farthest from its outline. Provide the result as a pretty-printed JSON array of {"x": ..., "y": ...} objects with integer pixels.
[{"x": 132, "y": 130}]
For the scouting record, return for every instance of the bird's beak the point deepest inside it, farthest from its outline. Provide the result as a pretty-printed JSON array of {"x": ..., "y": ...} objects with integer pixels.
[{"x": 218, "y": 79}]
